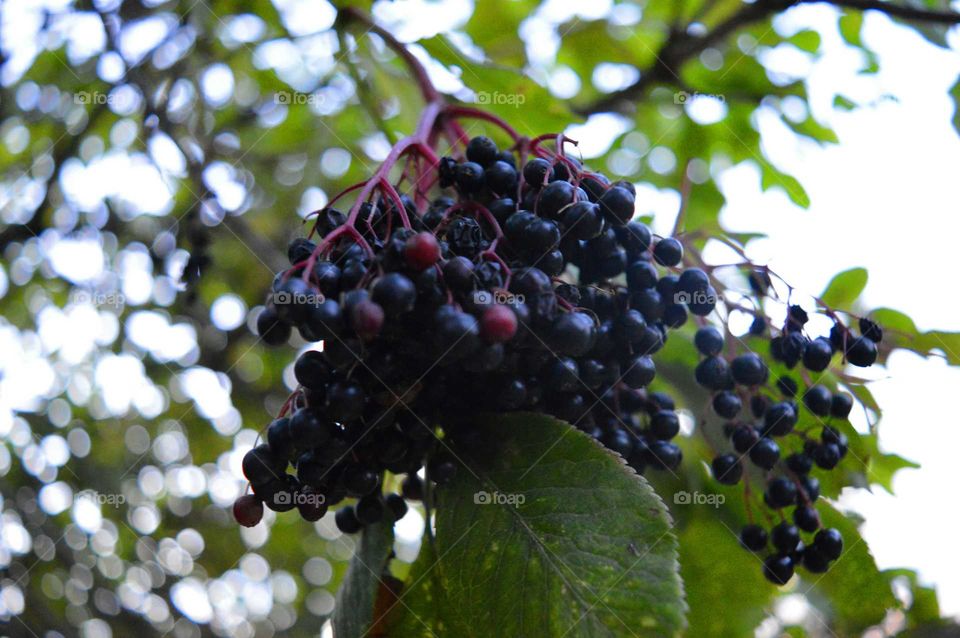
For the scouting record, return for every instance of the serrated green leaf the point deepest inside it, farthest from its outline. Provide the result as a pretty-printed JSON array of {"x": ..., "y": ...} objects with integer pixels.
[
  {"x": 845, "y": 287},
  {"x": 353, "y": 614},
  {"x": 588, "y": 551}
]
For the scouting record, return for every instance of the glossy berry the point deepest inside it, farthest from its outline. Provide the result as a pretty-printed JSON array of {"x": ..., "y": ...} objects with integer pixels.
[
  {"x": 778, "y": 569},
  {"x": 347, "y": 521},
  {"x": 727, "y": 469},
  {"x": 726, "y": 405},
  {"x": 779, "y": 419},
  {"x": 248, "y": 510},
  {"x": 830, "y": 542},
  {"x": 366, "y": 319},
  {"x": 749, "y": 369},
  {"x": 498, "y": 324},
  {"x": 709, "y": 341},
  {"x": 482, "y": 150},
  {"x": 799, "y": 463},
  {"x": 781, "y": 492},
  {"x": 840, "y": 405},
  {"x": 536, "y": 171},
  {"x": 753, "y": 538},
  {"x": 817, "y": 355},
  {"x": 668, "y": 252},
  {"x": 806, "y": 518},
  {"x": 785, "y": 537},
  {"x": 818, "y": 400},
  {"x": 814, "y": 561},
  {"x": 744, "y": 438},
  {"x": 421, "y": 251},
  {"x": 871, "y": 330},
  {"x": 713, "y": 373},
  {"x": 396, "y": 506},
  {"x": 765, "y": 454},
  {"x": 395, "y": 293},
  {"x": 826, "y": 455},
  {"x": 862, "y": 352},
  {"x": 665, "y": 455},
  {"x": 665, "y": 424},
  {"x": 617, "y": 205}
]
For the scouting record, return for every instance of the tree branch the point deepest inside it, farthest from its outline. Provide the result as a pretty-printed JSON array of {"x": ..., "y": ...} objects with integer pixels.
[
  {"x": 913, "y": 14},
  {"x": 681, "y": 46}
]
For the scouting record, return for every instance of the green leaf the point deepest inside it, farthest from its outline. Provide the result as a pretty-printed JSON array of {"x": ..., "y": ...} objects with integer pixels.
[
  {"x": 504, "y": 91},
  {"x": 806, "y": 40},
  {"x": 850, "y": 24},
  {"x": 771, "y": 177},
  {"x": 353, "y": 613},
  {"x": 574, "y": 544},
  {"x": 842, "y": 103},
  {"x": 857, "y": 593},
  {"x": 726, "y": 597},
  {"x": 845, "y": 288},
  {"x": 901, "y": 332}
]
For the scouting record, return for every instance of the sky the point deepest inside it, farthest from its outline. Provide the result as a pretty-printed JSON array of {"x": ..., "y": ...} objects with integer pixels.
[{"x": 885, "y": 197}]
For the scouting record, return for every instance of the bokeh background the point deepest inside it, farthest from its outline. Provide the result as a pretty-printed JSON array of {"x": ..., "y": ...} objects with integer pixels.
[{"x": 156, "y": 157}]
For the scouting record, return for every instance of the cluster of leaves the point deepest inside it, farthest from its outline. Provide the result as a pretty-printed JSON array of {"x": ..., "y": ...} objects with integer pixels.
[{"x": 51, "y": 125}]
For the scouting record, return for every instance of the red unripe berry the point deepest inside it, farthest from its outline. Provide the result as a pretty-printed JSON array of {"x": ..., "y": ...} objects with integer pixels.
[
  {"x": 248, "y": 510},
  {"x": 498, "y": 324},
  {"x": 422, "y": 251},
  {"x": 367, "y": 319}
]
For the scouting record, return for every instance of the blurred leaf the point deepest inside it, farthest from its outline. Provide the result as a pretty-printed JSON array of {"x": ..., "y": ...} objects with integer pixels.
[
  {"x": 529, "y": 107},
  {"x": 771, "y": 176},
  {"x": 807, "y": 40},
  {"x": 575, "y": 566},
  {"x": 842, "y": 103},
  {"x": 353, "y": 613},
  {"x": 845, "y": 288},
  {"x": 955, "y": 94},
  {"x": 901, "y": 332},
  {"x": 729, "y": 596},
  {"x": 851, "y": 22},
  {"x": 858, "y": 594}
]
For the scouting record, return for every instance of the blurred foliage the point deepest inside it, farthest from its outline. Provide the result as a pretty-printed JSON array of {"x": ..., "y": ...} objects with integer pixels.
[{"x": 155, "y": 160}]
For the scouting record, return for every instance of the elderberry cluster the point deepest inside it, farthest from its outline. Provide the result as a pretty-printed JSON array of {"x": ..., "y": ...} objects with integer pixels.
[
  {"x": 521, "y": 286},
  {"x": 765, "y": 434}
]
